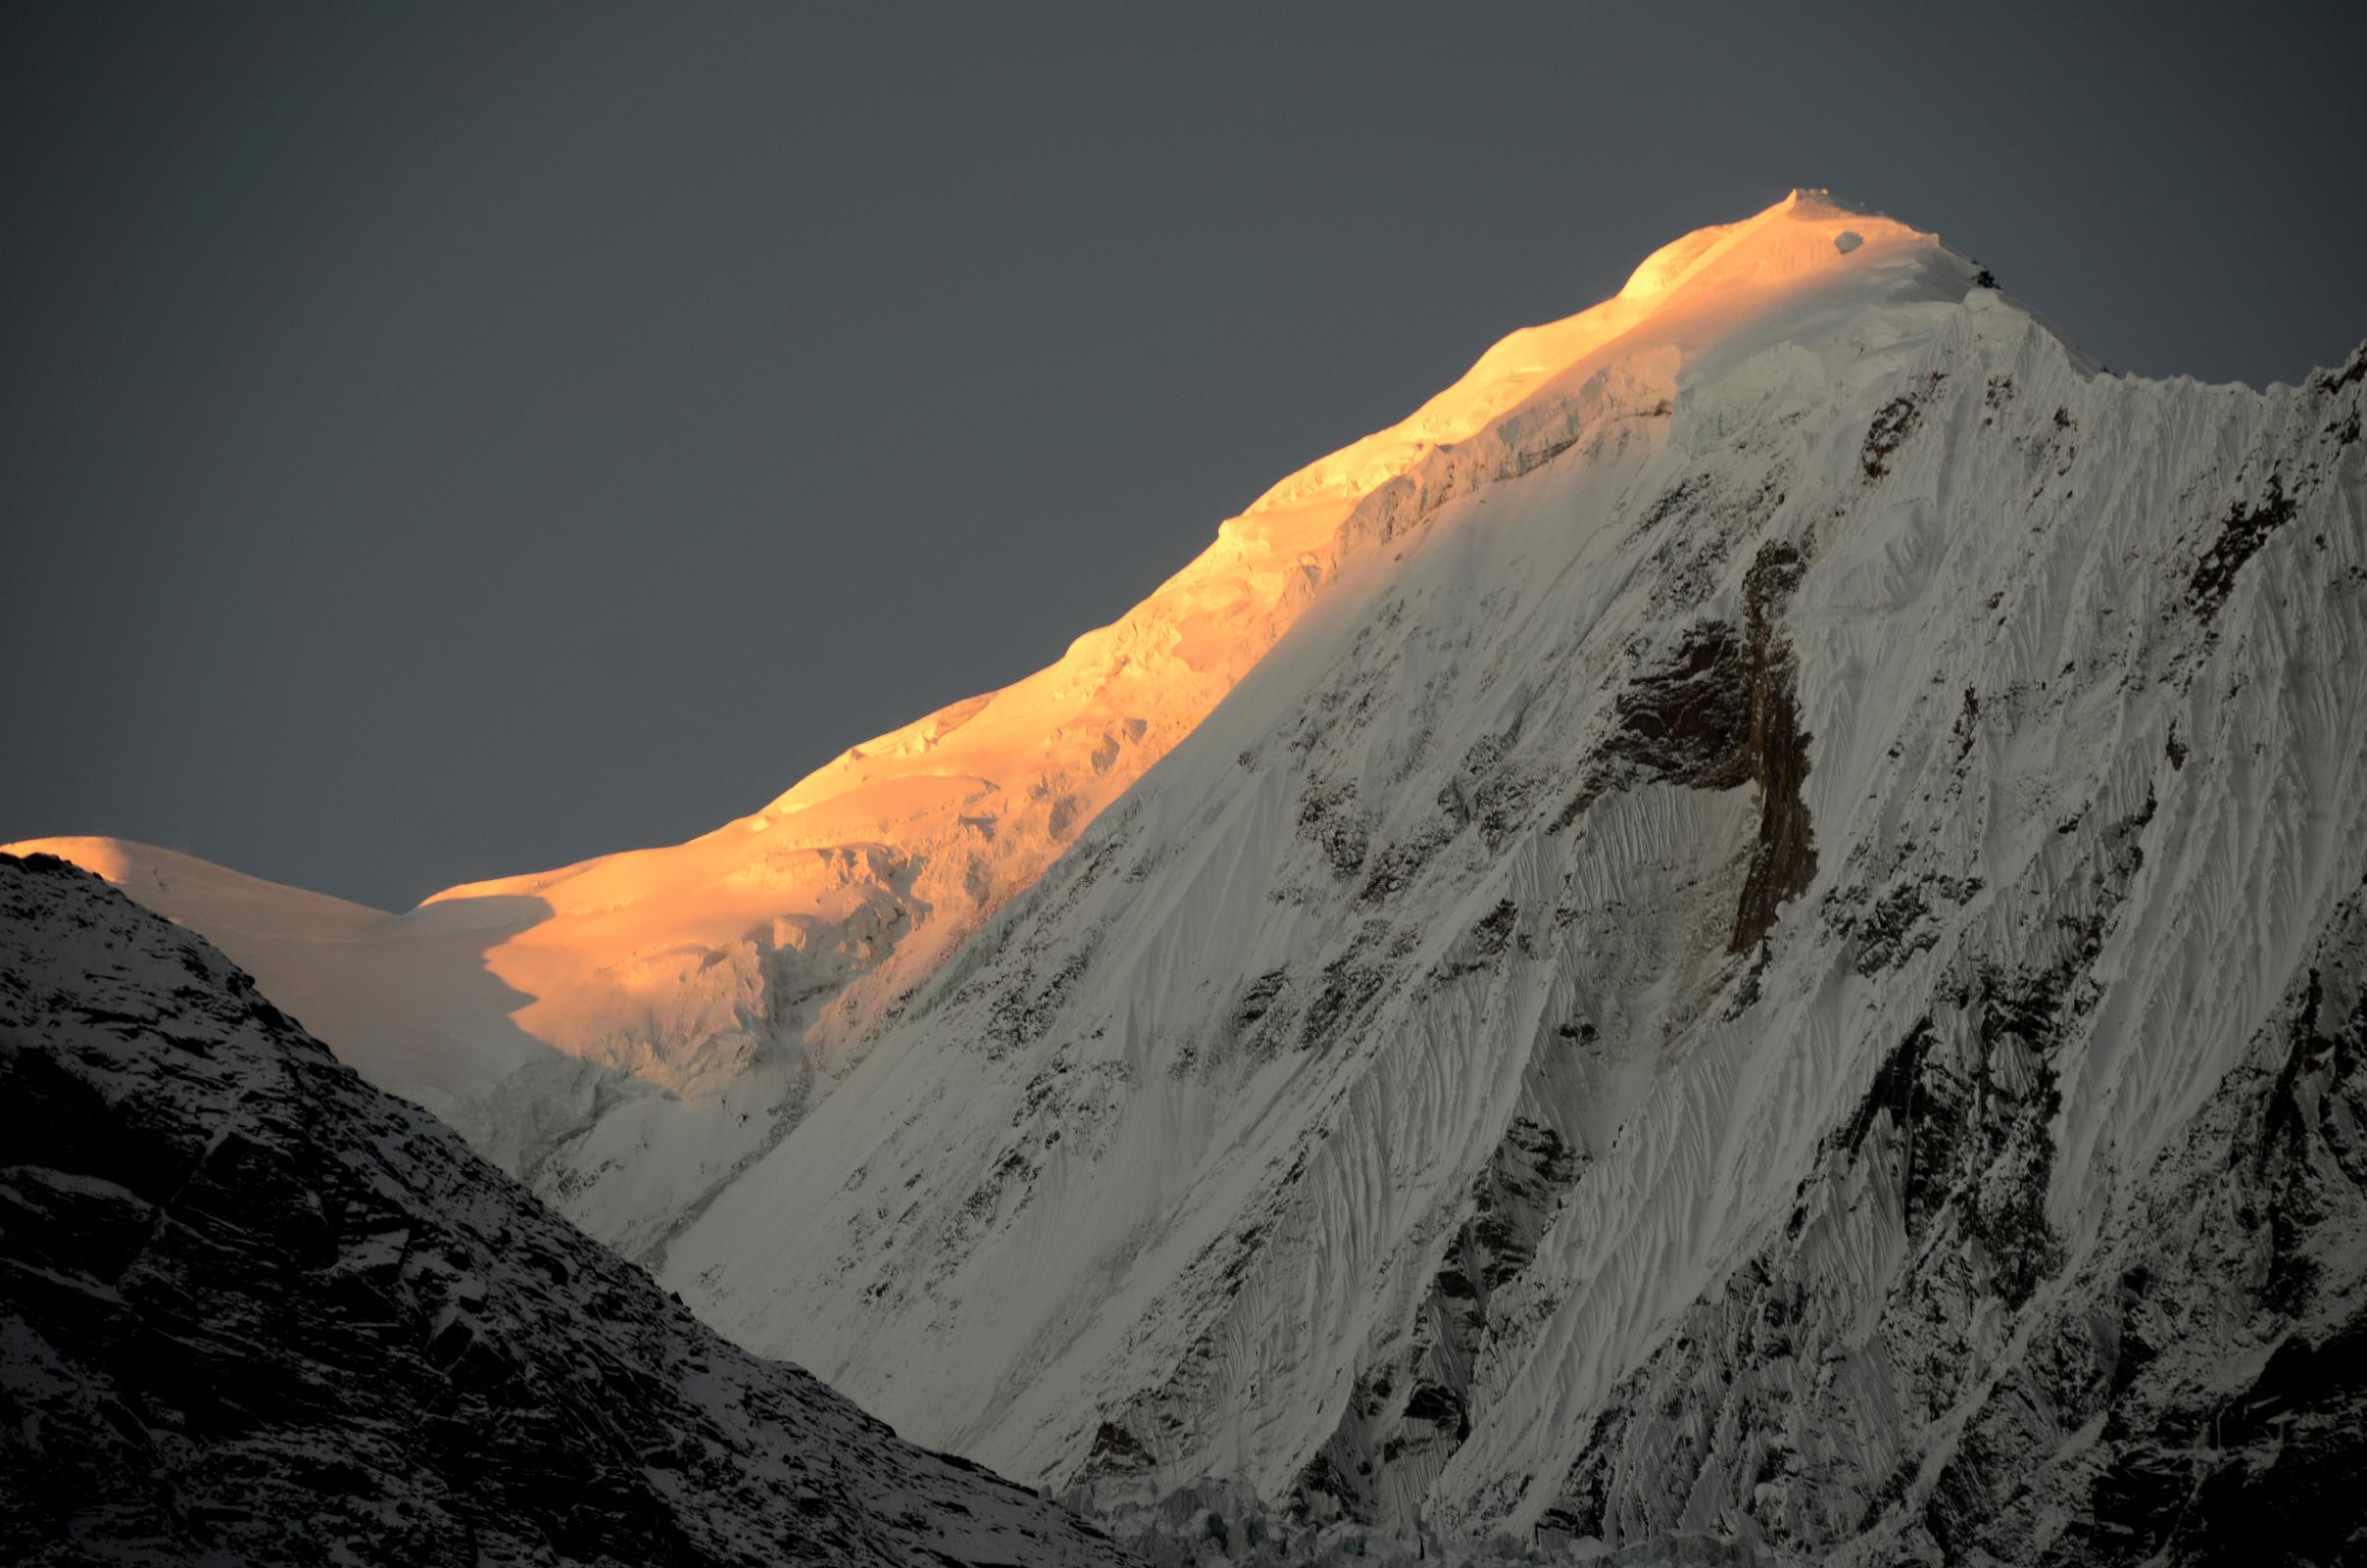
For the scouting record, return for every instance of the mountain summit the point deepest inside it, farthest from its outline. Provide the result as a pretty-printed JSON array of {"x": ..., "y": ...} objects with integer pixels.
[{"x": 1752, "y": 925}]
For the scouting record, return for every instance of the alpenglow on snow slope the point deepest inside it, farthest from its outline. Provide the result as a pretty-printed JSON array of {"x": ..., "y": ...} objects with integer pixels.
[
  {"x": 629, "y": 1032},
  {"x": 1750, "y": 927}
]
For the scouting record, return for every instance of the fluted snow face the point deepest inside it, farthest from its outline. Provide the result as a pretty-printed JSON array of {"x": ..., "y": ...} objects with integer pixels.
[{"x": 1675, "y": 999}]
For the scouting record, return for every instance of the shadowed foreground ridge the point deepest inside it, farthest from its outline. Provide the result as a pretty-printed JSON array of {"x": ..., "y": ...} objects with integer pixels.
[{"x": 254, "y": 1310}]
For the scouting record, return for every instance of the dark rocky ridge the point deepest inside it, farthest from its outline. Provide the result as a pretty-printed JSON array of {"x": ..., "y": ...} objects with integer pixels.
[{"x": 254, "y": 1310}]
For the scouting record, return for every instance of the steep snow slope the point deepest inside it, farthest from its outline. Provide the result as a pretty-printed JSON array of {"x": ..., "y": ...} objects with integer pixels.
[
  {"x": 628, "y": 1032},
  {"x": 1779, "y": 956},
  {"x": 254, "y": 1310}
]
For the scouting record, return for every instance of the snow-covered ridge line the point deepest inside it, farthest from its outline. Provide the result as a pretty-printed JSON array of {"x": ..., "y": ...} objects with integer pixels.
[{"x": 738, "y": 976}]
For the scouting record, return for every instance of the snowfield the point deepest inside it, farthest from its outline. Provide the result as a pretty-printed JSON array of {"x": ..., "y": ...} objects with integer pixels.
[{"x": 1750, "y": 930}]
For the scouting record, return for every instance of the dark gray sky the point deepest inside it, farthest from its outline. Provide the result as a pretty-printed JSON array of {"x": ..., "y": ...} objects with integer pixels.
[{"x": 443, "y": 443}]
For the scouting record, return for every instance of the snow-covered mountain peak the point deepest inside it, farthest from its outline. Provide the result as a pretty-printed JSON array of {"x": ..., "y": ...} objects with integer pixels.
[
  {"x": 739, "y": 974},
  {"x": 1670, "y": 1001},
  {"x": 785, "y": 935},
  {"x": 1732, "y": 283},
  {"x": 1672, "y": 943},
  {"x": 1807, "y": 230}
]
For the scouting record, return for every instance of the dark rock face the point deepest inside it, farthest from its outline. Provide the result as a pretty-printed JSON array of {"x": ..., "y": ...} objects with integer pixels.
[
  {"x": 2241, "y": 533},
  {"x": 1893, "y": 423},
  {"x": 252, "y": 1310},
  {"x": 1724, "y": 711},
  {"x": 1784, "y": 860}
]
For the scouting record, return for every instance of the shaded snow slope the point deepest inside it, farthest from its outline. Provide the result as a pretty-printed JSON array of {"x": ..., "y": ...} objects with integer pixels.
[{"x": 252, "y": 1309}]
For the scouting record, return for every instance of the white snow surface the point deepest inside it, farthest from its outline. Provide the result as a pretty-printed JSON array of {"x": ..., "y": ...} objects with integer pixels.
[{"x": 1301, "y": 1050}]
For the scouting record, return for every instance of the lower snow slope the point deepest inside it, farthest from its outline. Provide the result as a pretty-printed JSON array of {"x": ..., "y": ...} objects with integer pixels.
[
  {"x": 1781, "y": 958},
  {"x": 254, "y": 1310}
]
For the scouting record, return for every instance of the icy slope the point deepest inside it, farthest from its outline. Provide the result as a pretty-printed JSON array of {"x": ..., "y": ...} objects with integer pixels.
[
  {"x": 252, "y": 1309},
  {"x": 629, "y": 1032},
  {"x": 1746, "y": 970}
]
